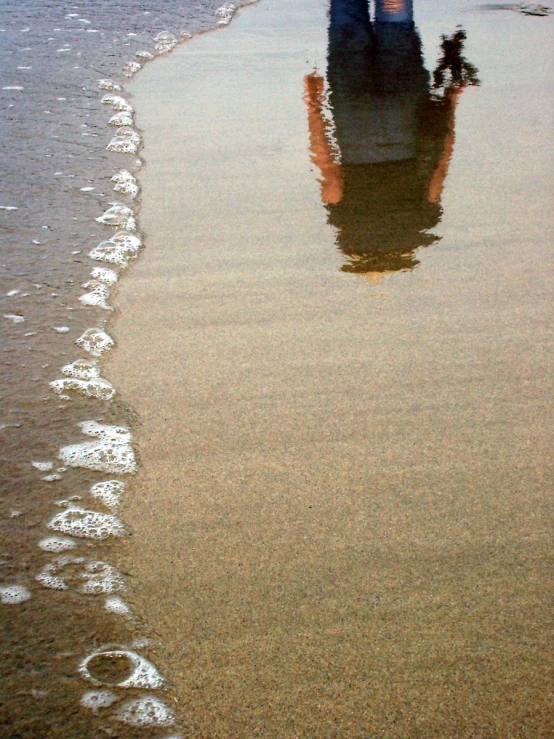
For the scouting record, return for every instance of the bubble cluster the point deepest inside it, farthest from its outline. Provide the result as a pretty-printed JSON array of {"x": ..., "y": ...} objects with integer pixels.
[
  {"x": 117, "y": 103},
  {"x": 121, "y": 668},
  {"x": 112, "y": 453},
  {"x": 89, "y": 578},
  {"x": 83, "y": 369},
  {"x": 101, "y": 578},
  {"x": 108, "y": 492},
  {"x": 127, "y": 141},
  {"x": 123, "y": 118},
  {"x": 97, "y": 296},
  {"x": 42, "y": 466},
  {"x": 117, "y": 250},
  {"x": 95, "y": 388},
  {"x": 95, "y": 341},
  {"x": 11, "y": 595},
  {"x": 86, "y": 524},
  {"x": 97, "y": 699},
  {"x": 109, "y": 85},
  {"x": 118, "y": 215},
  {"x": 125, "y": 183},
  {"x": 225, "y": 14},
  {"x": 164, "y": 42},
  {"x": 146, "y": 55},
  {"x": 131, "y": 68},
  {"x": 146, "y": 711},
  {"x": 105, "y": 275},
  {"x": 117, "y": 605},
  {"x": 57, "y": 544}
]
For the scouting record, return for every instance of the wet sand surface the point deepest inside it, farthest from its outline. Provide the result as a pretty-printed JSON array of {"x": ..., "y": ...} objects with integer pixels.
[{"x": 341, "y": 524}]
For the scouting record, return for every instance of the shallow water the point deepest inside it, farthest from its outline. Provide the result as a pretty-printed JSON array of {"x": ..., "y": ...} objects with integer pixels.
[
  {"x": 341, "y": 368},
  {"x": 57, "y": 169}
]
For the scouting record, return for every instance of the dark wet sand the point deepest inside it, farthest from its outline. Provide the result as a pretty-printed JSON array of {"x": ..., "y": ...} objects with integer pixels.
[{"x": 342, "y": 523}]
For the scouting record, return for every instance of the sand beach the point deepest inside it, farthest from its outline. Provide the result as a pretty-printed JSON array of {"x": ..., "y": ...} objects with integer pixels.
[{"x": 341, "y": 367}]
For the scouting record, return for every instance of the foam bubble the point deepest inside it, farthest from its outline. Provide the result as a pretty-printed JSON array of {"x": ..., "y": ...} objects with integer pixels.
[
  {"x": 86, "y": 524},
  {"x": 117, "y": 250},
  {"x": 125, "y": 183},
  {"x": 51, "y": 478},
  {"x": 164, "y": 42},
  {"x": 97, "y": 388},
  {"x": 89, "y": 578},
  {"x": 98, "y": 295},
  {"x": 131, "y": 68},
  {"x": 12, "y": 594},
  {"x": 225, "y": 13},
  {"x": 121, "y": 668},
  {"x": 123, "y": 118},
  {"x": 109, "y": 85},
  {"x": 82, "y": 369},
  {"x": 95, "y": 341},
  {"x": 146, "y": 711},
  {"x": 48, "y": 577},
  {"x": 11, "y": 293},
  {"x": 61, "y": 329},
  {"x": 57, "y": 544},
  {"x": 105, "y": 275},
  {"x": 119, "y": 215},
  {"x": 117, "y": 605},
  {"x": 97, "y": 699},
  {"x": 127, "y": 141},
  {"x": 127, "y": 240},
  {"x": 115, "y": 434},
  {"x": 146, "y": 55},
  {"x": 112, "y": 453},
  {"x": 109, "y": 492},
  {"x": 43, "y": 466},
  {"x": 117, "y": 103},
  {"x": 101, "y": 578},
  {"x": 14, "y": 318}
]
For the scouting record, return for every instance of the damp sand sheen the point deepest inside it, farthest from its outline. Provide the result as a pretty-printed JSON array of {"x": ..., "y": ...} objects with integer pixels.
[{"x": 340, "y": 521}]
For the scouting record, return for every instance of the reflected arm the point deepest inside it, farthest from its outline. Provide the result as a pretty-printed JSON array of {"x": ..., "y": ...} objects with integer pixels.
[{"x": 320, "y": 148}]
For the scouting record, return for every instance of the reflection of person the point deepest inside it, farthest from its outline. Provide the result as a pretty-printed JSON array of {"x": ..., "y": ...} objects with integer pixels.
[{"x": 393, "y": 133}]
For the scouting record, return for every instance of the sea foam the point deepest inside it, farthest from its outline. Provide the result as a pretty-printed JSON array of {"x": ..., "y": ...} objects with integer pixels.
[
  {"x": 117, "y": 250},
  {"x": 86, "y": 524},
  {"x": 127, "y": 141},
  {"x": 97, "y": 296},
  {"x": 117, "y": 103},
  {"x": 108, "y": 492},
  {"x": 89, "y": 578},
  {"x": 164, "y": 42},
  {"x": 123, "y": 118},
  {"x": 118, "y": 215},
  {"x": 95, "y": 341},
  {"x": 111, "y": 453},
  {"x": 97, "y": 699},
  {"x": 131, "y": 68},
  {"x": 11, "y": 595},
  {"x": 134, "y": 671},
  {"x": 125, "y": 183},
  {"x": 146, "y": 711}
]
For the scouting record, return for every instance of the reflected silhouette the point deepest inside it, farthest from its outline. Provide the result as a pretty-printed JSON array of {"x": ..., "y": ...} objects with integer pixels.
[{"x": 381, "y": 134}]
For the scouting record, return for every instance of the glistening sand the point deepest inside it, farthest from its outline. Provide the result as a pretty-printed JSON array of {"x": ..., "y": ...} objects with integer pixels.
[{"x": 342, "y": 520}]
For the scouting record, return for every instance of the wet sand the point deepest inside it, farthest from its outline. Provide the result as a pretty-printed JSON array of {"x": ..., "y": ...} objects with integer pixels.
[{"x": 341, "y": 524}]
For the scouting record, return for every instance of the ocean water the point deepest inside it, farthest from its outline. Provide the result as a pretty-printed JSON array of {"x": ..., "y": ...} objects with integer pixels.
[{"x": 68, "y": 155}]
